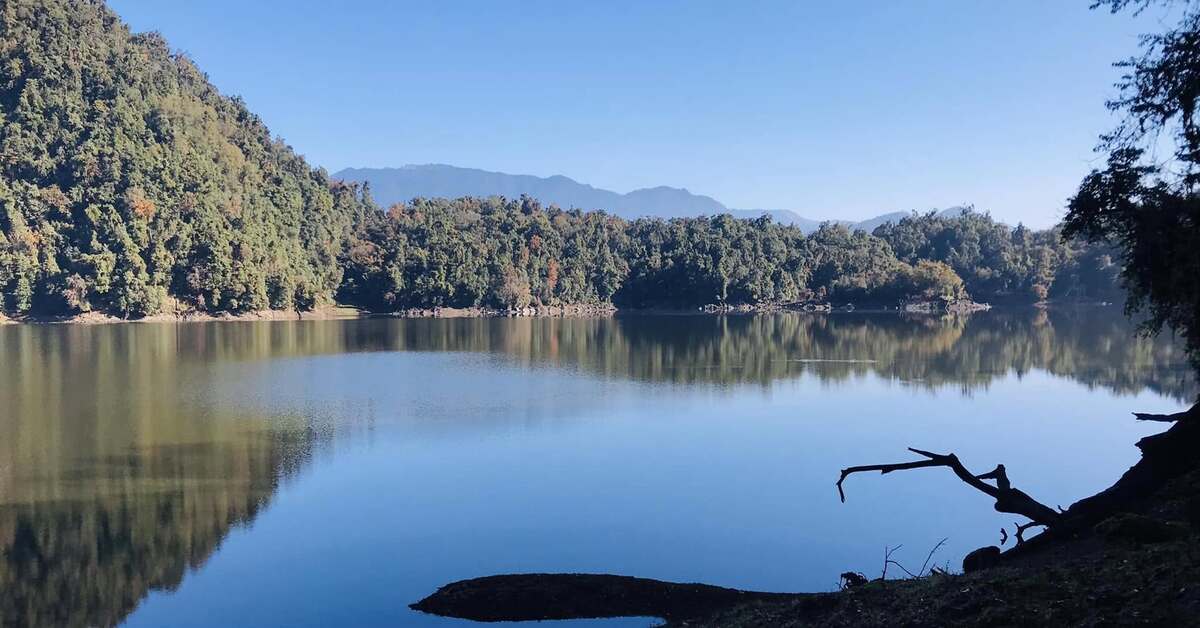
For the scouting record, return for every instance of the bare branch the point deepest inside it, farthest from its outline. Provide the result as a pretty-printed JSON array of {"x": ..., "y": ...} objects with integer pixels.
[
  {"x": 1021, "y": 528},
  {"x": 1008, "y": 499},
  {"x": 883, "y": 469},
  {"x": 930, "y": 556}
]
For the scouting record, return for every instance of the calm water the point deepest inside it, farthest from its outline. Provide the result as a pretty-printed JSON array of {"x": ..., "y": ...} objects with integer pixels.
[{"x": 322, "y": 473}]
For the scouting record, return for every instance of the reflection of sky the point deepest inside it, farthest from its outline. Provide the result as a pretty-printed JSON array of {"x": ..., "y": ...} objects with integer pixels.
[{"x": 454, "y": 465}]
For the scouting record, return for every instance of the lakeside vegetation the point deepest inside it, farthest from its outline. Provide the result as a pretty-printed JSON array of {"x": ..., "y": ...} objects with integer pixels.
[{"x": 130, "y": 186}]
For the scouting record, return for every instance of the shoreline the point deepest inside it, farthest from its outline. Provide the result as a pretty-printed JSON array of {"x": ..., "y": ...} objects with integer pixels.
[
  {"x": 97, "y": 318},
  {"x": 585, "y": 310}
]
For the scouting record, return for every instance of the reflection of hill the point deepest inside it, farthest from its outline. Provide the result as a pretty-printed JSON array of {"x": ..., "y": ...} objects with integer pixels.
[
  {"x": 111, "y": 485},
  {"x": 151, "y": 515}
]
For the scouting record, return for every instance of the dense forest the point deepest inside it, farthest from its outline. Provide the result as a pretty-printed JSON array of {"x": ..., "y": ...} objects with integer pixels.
[{"x": 130, "y": 186}]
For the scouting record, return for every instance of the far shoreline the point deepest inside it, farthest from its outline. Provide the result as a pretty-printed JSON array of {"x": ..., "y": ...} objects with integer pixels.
[{"x": 344, "y": 312}]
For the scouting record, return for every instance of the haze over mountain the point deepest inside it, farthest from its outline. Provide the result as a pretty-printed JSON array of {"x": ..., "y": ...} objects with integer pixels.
[{"x": 394, "y": 185}]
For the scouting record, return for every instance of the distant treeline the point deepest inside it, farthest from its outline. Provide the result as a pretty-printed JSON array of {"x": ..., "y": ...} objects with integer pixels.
[
  {"x": 505, "y": 254},
  {"x": 129, "y": 185}
]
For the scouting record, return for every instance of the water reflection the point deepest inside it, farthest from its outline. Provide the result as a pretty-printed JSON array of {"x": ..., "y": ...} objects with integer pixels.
[
  {"x": 127, "y": 455},
  {"x": 84, "y": 549},
  {"x": 1095, "y": 346}
]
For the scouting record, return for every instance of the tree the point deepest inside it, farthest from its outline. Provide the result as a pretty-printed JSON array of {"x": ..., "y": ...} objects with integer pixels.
[{"x": 1150, "y": 212}]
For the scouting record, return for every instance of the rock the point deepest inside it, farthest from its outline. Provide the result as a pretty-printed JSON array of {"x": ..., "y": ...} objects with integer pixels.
[
  {"x": 851, "y": 579},
  {"x": 980, "y": 559}
]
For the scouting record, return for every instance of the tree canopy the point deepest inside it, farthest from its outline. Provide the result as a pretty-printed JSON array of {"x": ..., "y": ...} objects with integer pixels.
[{"x": 1148, "y": 210}]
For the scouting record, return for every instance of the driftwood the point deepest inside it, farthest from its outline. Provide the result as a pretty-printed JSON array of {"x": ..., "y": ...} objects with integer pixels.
[{"x": 1008, "y": 499}]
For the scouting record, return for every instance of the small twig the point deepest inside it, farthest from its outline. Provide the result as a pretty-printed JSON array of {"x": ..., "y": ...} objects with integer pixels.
[
  {"x": 930, "y": 556},
  {"x": 905, "y": 570},
  {"x": 887, "y": 560}
]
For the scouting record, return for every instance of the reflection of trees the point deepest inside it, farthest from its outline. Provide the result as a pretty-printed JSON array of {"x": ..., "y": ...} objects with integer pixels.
[
  {"x": 111, "y": 484},
  {"x": 1093, "y": 346},
  {"x": 1096, "y": 346},
  {"x": 145, "y": 518}
]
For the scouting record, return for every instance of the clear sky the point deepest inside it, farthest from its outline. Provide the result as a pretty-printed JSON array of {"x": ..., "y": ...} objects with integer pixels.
[{"x": 832, "y": 109}]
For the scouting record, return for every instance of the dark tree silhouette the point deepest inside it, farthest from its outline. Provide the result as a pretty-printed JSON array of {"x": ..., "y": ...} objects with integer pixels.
[{"x": 1148, "y": 209}]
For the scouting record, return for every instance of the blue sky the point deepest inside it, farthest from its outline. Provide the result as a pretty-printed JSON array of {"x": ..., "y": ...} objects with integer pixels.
[{"x": 832, "y": 109}]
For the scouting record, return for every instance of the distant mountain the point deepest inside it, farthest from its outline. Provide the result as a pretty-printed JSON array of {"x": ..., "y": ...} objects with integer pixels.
[{"x": 395, "y": 185}]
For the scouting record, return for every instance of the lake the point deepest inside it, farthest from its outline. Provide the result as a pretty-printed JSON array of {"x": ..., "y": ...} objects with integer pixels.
[{"x": 312, "y": 473}]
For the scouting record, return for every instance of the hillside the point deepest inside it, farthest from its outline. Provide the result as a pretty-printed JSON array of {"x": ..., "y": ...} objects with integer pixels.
[{"x": 130, "y": 185}]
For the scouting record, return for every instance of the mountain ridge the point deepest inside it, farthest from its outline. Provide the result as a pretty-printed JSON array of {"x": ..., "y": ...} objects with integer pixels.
[{"x": 390, "y": 185}]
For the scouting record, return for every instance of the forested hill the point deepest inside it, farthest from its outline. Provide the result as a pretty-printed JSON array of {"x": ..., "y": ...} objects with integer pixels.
[{"x": 130, "y": 186}]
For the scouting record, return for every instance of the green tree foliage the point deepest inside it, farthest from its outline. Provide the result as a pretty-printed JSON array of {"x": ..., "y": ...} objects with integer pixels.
[
  {"x": 129, "y": 184},
  {"x": 993, "y": 259},
  {"x": 1148, "y": 212},
  {"x": 688, "y": 262}
]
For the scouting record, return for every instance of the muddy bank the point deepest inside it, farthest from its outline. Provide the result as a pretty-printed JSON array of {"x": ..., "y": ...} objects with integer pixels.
[
  {"x": 190, "y": 316},
  {"x": 520, "y": 597}
]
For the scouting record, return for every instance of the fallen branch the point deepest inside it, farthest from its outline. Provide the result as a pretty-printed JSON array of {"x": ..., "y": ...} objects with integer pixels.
[{"x": 1008, "y": 499}]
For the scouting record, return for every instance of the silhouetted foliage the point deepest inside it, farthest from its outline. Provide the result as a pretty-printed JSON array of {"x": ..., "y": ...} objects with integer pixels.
[{"x": 1150, "y": 212}]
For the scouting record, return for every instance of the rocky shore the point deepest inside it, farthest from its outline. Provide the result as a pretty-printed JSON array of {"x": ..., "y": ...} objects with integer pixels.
[
  {"x": 912, "y": 307},
  {"x": 577, "y": 309},
  {"x": 551, "y": 311}
]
